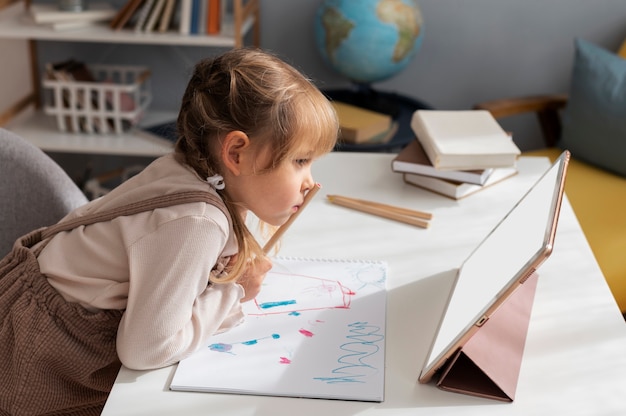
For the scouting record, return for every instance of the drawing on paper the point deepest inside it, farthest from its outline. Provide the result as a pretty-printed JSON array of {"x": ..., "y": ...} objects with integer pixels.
[{"x": 317, "y": 329}]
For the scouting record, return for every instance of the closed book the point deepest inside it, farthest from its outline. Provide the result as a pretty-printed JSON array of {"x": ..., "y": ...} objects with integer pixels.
[
  {"x": 69, "y": 25},
  {"x": 155, "y": 15},
  {"x": 457, "y": 190},
  {"x": 50, "y": 13},
  {"x": 214, "y": 18},
  {"x": 413, "y": 159},
  {"x": 202, "y": 16},
  {"x": 464, "y": 139},
  {"x": 195, "y": 17},
  {"x": 166, "y": 17},
  {"x": 359, "y": 125},
  {"x": 184, "y": 22},
  {"x": 386, "y": 136},
  {"x": 142, "y": 15},
  {"x": 125, "y": 14}
]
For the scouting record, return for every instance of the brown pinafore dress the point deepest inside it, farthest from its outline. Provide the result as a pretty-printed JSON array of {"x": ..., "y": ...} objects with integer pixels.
[{"x": 56, "y": 357}]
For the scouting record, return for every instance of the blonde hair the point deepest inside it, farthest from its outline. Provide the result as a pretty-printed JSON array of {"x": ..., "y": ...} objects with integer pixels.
[{"x": 255, "y": 92}]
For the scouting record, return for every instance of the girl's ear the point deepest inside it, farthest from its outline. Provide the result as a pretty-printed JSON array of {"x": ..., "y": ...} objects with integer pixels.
[{"x": 234, "y": 148}]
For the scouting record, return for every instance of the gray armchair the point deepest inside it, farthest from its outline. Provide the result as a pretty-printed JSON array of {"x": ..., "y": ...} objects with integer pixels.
[{"x": 34, "y": 190}]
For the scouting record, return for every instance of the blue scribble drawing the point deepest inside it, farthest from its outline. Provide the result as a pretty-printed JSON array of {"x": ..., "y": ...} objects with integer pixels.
[
  {"x": 364, "y": 340},
  {"x": 267, "y": 305},
  {"x": 370, "y": 276},
  {"x": 223, "y": 347}
]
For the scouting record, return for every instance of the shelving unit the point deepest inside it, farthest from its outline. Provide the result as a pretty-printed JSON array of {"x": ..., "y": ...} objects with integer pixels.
[
  {"x": 41, "y": 130},
  {"x": 25, "y": 117},
  {"x": 16, "y": 24}
]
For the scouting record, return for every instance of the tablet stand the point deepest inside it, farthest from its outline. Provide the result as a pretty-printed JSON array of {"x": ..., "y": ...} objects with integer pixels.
[{"x": 488, "y": 364}]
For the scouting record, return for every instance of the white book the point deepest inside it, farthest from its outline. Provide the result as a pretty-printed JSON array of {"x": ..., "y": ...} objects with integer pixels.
[
  {"x": 184, "y": 24},
  {"x": 457, "y": 190},
  {"x": 50, "y": 13},
  {"x": 202, "y": 15},
  {"x": 166, "y": 16},
  {"x": 142, "y": 15},
  {"x": 155, "y": 14},
  {"x": 72, "y": 25},
  {"x": 464, "y": 139}
]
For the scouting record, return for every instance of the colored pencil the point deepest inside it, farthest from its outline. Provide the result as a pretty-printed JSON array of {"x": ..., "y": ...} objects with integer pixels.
[
  {"x": 392, "y": 208},
  {"x": 404, "y": 215}
]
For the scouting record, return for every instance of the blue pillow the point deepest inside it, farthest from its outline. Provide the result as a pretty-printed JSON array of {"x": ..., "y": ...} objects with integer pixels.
[{"x": 594, "y": 121}]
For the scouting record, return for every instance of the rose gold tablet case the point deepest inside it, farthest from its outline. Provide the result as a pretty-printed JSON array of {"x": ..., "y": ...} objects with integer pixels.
[
  {"x": 485, "y": 358},
  {"x": 488, "y": 364}
]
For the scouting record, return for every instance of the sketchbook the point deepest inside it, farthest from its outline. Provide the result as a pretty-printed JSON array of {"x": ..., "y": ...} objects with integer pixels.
[{"x": 316, "y": 330}]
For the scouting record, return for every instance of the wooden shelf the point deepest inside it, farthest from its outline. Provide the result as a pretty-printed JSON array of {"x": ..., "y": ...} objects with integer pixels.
[
  {"x": 16, "y": 23},
  {"x": 41, "y": 130}
]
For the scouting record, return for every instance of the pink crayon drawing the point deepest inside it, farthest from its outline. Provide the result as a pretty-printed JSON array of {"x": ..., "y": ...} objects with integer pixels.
[{"x": 293, "y": 293}]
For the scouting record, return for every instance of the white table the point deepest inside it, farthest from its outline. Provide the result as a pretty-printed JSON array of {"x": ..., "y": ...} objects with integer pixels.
[{"x": 575, "y": 357}]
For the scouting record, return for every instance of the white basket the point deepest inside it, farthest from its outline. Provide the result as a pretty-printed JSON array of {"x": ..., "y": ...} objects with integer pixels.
[{"x": 116, "y": 102}]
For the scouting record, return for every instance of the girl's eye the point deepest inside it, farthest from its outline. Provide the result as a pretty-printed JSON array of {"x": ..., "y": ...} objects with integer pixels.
[{"x": 302, "y": 162}]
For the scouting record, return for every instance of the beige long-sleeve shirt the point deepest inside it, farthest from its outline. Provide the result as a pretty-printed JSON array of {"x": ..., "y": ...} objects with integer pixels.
[{"x": 154, "y": 265}]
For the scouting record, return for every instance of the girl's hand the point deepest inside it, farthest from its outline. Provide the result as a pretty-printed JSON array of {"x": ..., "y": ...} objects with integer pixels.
[{"x": 253, "y": 277}]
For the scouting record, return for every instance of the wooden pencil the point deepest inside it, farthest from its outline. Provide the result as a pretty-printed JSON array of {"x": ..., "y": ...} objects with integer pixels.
[
  {"x": 378, "y": 211},
  {"x": 283, "y": 228},
  {"x": 392, "y": 208}
]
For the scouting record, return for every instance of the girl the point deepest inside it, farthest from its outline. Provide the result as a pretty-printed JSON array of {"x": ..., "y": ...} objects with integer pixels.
[{"x": 147, "y": 273}]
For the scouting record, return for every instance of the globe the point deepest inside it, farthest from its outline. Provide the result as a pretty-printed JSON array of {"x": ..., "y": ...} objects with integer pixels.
[{"x": 368, "y": 40}]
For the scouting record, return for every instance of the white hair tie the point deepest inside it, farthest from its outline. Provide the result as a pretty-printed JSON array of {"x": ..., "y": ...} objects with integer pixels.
[{"x": 216, "y": 181}]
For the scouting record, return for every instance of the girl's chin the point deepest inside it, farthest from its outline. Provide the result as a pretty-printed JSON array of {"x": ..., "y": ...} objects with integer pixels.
[{"x": 277, "y": 221}]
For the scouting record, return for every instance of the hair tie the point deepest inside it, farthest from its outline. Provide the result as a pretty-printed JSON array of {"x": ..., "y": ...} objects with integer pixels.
[{"x": 216, "y": 181}]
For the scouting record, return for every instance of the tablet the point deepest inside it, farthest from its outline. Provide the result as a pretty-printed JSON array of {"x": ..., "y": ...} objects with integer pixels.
[{"x": 502, "y": 262}]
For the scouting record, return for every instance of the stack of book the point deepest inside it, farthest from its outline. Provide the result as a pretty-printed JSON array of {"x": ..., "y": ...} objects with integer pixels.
[
  {"x": 49, "y": 14},
  {"x": 456, "y": 153}
]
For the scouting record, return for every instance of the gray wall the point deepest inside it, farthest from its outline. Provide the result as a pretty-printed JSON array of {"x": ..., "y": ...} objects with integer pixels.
[{"x": 473, "y": 50}]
